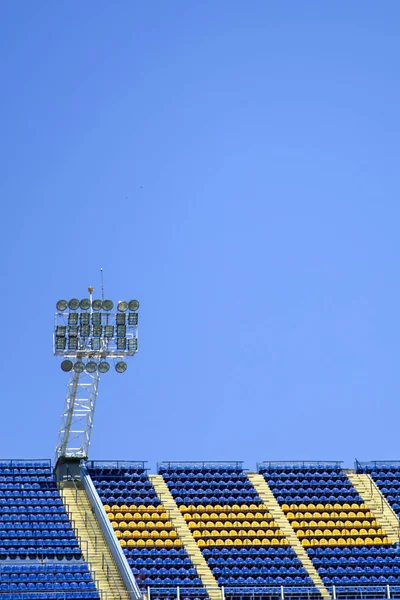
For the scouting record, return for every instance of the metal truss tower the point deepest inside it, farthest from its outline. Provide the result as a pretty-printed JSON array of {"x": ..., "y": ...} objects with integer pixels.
[{"x": 86, "y": 339}]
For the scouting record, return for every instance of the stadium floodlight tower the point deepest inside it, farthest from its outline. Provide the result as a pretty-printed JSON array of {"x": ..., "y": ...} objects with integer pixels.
[{"x": 87, "y": 334}]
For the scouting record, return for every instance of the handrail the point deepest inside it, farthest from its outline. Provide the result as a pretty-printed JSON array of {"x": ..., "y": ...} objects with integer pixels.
[
  {"x": 299, "y": 464},
  {"x": 198, "y": 464},
  {"x": 109, "y": 535}
]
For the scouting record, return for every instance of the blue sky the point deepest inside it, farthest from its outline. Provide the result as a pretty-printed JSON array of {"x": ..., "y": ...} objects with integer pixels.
[{"x": 234, "y": 166}]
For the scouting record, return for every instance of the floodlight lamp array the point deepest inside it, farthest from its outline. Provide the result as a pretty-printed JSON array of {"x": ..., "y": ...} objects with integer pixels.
[
  {"x": 91, "y": 366},
  {"x": 88, "y": 330}
]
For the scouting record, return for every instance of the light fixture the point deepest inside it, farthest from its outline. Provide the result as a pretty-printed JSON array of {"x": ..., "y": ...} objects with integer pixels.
[
  {"x": 95, "y": 344},
  {"x": 96, "y": 318},
  {"x": 73, "y": 304},
  {"x": 84, "y": 318},
  {"x": 61, "y": 330},
  {"x": 133, "y": 319},
  {"x": 73, "y": 331},
  {"x": 121, "y": 330},
  {"x": 120, "y": 367},
  {"x": 132, "y": 345},
  {"x": 97, "y": 331},
  {"x": 108, "y": 304},
  {"x": 120, "y": 319},
  {"x": 109, "y": 331},
  {"x": 79, "y": 367},
  {"x": 85, "y": 331},
  {"x": 122, "y": 306},
  {"x": 104, "y": 366},
  {"x": 121, "y": 343},
  {"x": 61, "y": 342},
  {"x": 73, "y": 343},
  {"x": 97, "y": 304},
  {"x": 62, "y": 305},
  {"x": 133, "y": 305},
  {"x": 91, "y": 366},
  {"x": 84, "y": 304},
  {"x": 73, "y": 319},
  {"x": 66, "y": 365}
]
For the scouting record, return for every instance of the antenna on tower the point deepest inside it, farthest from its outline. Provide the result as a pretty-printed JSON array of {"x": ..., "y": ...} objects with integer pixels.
[{"x": 102, "y": 284}]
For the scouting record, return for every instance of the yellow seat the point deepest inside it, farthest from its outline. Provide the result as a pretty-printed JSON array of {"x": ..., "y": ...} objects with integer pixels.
[
  {"x": 177, "y": 543},
  {"x": 256, "y": 542},
  {"x": 122, "y": 543},
  {"x": 173, "y": 535},
  {"x": 285, "y": 507},
  {"x": 228, "y": 542},
  {"x": 265, "y": 542},
  {"x": 219, "y": 542},
  {"x": 201, "y": 543},
  {"x": 305, "y": 542},
  {"x": 131, "y": 544},
  {"x": 237, "y": 542},
  {"x": 149, "y": 543},
  {"x": 210, "y": 542},
  {"x": 118, "y": 534},
  {"x": 127, "y": 534},
  {"x": 140, "y": 544}
]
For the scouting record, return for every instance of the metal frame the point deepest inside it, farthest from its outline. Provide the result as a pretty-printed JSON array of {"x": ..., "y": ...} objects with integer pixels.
[{"x": 77, "y": 417}]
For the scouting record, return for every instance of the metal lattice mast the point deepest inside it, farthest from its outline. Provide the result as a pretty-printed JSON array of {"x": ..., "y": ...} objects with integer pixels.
[
  {"x": 94, "y": 336},
  {"x": 78, "y": 414}
]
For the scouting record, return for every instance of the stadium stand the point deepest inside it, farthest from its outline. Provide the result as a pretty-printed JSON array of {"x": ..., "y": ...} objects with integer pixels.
[
  {"x": 200, "y": 530},
  {"x": 386, "y": 476},
  {"x": 145, "y": 532},
  {"x": 39, "y": 552},
  {"x": 347, "y": 545},
  {"x": 245, "y": 549}
]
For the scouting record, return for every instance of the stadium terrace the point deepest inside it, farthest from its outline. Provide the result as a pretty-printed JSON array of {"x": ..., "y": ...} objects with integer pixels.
[{"x": 108, "y": 529}]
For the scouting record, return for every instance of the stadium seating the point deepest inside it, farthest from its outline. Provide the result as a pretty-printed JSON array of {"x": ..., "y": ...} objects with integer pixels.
[
  {"x": 387, "y": 477},
  {"x": 347, "y": 546},
  {"x": 150, "y": 543},
  {"x": 242, "y": 544},
  {"x": 39, "y": 553}
]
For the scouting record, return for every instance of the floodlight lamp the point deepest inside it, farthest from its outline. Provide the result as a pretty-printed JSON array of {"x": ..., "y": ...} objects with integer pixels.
[
  {"x": 73, "y": 319},
  {"x": 109, "y": 331},
  {"x": 108, "y": 304},
  {"x": 66, "y": 365},
  {"x": 132, "y": 345},
  {"x": 120, "y": 319},
  {"x": 133, "y": 305},
  {"x": 85, "y": 331},
  {"x": 61, "y": 342},
  {"x": 61, "y": 330},
  {"x": 73, "y": 331},
  {"x": 97, "y": 331},
  {"x": 133, "y": 319},
  {"x": 79, "y": 367},
  {"x": 121, "y": 330},
  {"x": 85, "y": 319},
  {"x": 95, "y": 344},
  {"x": 104, "y": 367},
  {"x": 62, "y": 305},
  {"x": 96, "y": 318},
  {"x": 73, "y": 343},
  {"x": 84, "y": 304},
  {"x": 120, "y": 367},
  {"x": 121, "y": 343},
  {"x": 122, "y": 306},
  {"x": 97, "y": 304},
  {"x": 73, "y": 304},
  {"x": 91, "y": 366}
]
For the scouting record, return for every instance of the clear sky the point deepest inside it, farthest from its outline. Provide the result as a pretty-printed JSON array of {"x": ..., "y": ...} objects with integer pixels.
[{"x": 235, "y": 166}]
